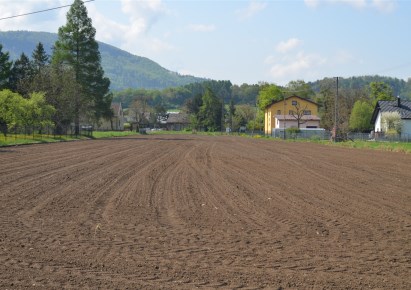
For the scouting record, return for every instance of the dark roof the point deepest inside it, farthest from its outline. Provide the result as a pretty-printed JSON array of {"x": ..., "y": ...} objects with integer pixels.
[
  {"x": 307, "y": 100},
  {"x": 178, "y": 118},
  {"x": 392, "y": 106}
]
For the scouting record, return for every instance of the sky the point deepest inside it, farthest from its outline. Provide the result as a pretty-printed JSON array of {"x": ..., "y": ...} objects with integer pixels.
[{"x": 245, "y": 41}]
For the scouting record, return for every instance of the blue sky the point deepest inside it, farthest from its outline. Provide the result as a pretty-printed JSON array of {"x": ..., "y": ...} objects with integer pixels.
[{"x": 246, "y": 41}]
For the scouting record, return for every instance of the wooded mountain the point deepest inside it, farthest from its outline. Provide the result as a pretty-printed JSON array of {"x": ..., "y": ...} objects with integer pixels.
[
  {"x": 399, "y": 87},
  {"x": 124, "y": 69}
]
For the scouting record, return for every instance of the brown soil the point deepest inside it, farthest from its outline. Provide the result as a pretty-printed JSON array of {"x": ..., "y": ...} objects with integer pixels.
[{"x": 185, "y": 212}]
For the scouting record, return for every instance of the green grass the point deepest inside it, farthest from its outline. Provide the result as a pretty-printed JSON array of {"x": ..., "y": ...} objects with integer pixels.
[
  {"x": 109, "y": 134},
  {"x": 358, "y": 144},
  {"x": 385, "y": 146},
  {"x": 21, "y": 139},
  {"x": 30, "y": 139}
]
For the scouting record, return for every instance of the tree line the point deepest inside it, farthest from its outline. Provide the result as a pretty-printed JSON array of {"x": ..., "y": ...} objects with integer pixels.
[
  {"x": 68, "y": 87},
  {"x": 216, "y": 105}
]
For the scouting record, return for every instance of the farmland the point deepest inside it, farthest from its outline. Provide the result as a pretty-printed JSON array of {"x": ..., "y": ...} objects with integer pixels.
[{"x": 190, "y": 211}]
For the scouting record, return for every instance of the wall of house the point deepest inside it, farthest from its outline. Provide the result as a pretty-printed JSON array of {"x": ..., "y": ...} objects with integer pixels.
[
  {"x": 377, "y": 125},
  {"x": 280, "y": 107},
  {"x": 118, "y": 124},
  {"x": 279, "y": 124},
  {"x": 406, "y": 128},
  {"x": 267, "y": 122}
]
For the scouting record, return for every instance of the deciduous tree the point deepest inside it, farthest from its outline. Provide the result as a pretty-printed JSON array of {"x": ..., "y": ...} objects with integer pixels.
[
  {"x": 380, "y": 91},
  {"x": 243, "y": 115},
  {"x": 10, "y": 109},
  {"x": 267, "y": 95},
  {"x": 360, "y": 119},
  {"x": 301, "y": 89},
  {"x": 298, "y": 112}
]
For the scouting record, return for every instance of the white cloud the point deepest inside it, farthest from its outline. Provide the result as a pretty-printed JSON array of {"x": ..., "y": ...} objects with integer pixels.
[
  {"x": 285, "y": 46},
  {"x": 286, "y": 64},
  {"x": 297, "y": 65},
  {"x": 46, "y": 21},
  {"x": 312, "y": 3},
  {"x": 358, "y": 4},
  {"x": 132, "y": 32},
  {"x": 381, "y": 5},
  {"x": 384, "y": 5},
  {"x": 202, "y": 27},
  {"x": 253, "y": 8},
  {"x": 128, "y": 29},
  {"x": 343, "y": 57},
  {"x": 144, "y": 14},
  {"x": 353, "y": 3}
]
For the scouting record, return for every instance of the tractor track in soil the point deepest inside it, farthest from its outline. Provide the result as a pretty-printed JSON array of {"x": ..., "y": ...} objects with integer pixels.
[{"x": 188, "y": 211}]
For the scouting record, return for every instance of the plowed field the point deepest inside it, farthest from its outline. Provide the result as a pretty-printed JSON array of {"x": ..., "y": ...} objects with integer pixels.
[{"x": 186, "y": 212}]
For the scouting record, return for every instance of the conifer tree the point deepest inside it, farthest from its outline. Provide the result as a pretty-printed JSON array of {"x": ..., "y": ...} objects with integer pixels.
[
  {"x": 77, "y": 48},
  {"x": 5, "y": 67},
  {"x": 210, "y": 112},
  {"x": 40, "y": 58},
  {"x": 21, "y": 75}
]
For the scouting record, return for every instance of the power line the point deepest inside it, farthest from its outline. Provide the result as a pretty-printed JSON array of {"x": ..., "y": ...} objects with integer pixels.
[{"x": 40, "y": 11}]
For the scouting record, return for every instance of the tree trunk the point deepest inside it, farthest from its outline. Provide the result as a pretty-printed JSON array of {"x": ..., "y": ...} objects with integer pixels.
[
  {"x": 77, "y": 125},
  {"x": 3, "y": 127}
]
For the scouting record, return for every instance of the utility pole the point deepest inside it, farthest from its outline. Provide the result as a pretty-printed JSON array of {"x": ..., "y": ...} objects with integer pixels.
[
  {"x": 284, "y": 118},
  {"x": 336, "y": 115}
]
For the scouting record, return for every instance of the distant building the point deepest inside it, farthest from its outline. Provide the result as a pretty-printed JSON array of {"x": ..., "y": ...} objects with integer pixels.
[
  {"x": 291, "y": 112},
  {"x": 116, "y": 123},
  {"x": 177, "y": 121}
]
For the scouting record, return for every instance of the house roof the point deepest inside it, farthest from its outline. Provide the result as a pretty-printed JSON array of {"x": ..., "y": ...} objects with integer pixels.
[
  {"x": 292, "y": 118},
  {"x": 293, "y": 96},
  {"x": 177, "y": 118},
  {"x": 404, "y": 108}
]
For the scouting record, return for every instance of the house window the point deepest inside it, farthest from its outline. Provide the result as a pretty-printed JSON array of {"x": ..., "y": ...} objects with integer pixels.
[
  {"x": 294, "y": 103},
  {"x": 278, "y": 112},
  {"x": 307, "y": 112}
]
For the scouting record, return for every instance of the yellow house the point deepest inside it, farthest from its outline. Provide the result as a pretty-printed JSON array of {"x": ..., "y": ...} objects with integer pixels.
[{"x": 292, "y": 112}]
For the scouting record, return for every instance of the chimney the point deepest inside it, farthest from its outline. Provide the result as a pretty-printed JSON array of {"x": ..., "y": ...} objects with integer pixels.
[{"x": 398, "y": 101}]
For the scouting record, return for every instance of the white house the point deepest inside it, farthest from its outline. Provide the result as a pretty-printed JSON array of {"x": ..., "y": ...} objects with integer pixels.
[{"x": 400, "y": 106}]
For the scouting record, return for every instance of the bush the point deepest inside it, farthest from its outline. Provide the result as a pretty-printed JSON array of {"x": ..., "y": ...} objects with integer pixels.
[
  {"x": 127, "y": 126},
  {"x": 293, "y": 130}
]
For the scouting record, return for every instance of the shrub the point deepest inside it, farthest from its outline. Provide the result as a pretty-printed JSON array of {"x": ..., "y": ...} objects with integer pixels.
[{"x": 391, "y": 122}]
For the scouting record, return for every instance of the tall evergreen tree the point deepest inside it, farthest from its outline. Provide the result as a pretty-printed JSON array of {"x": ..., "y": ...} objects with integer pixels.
[
  {"x": 40, "y": 58},
  {"x": 21, "y": 74},
  {"x": 77, "y": 48},
  {"x": 5, "y": 67},
  {"x": 210, "y": 114}
]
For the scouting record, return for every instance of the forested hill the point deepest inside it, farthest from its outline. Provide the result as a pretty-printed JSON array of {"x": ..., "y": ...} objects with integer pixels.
[
  {"x": 399, "y": 87},
  {"x": 124, "y": 69}
]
